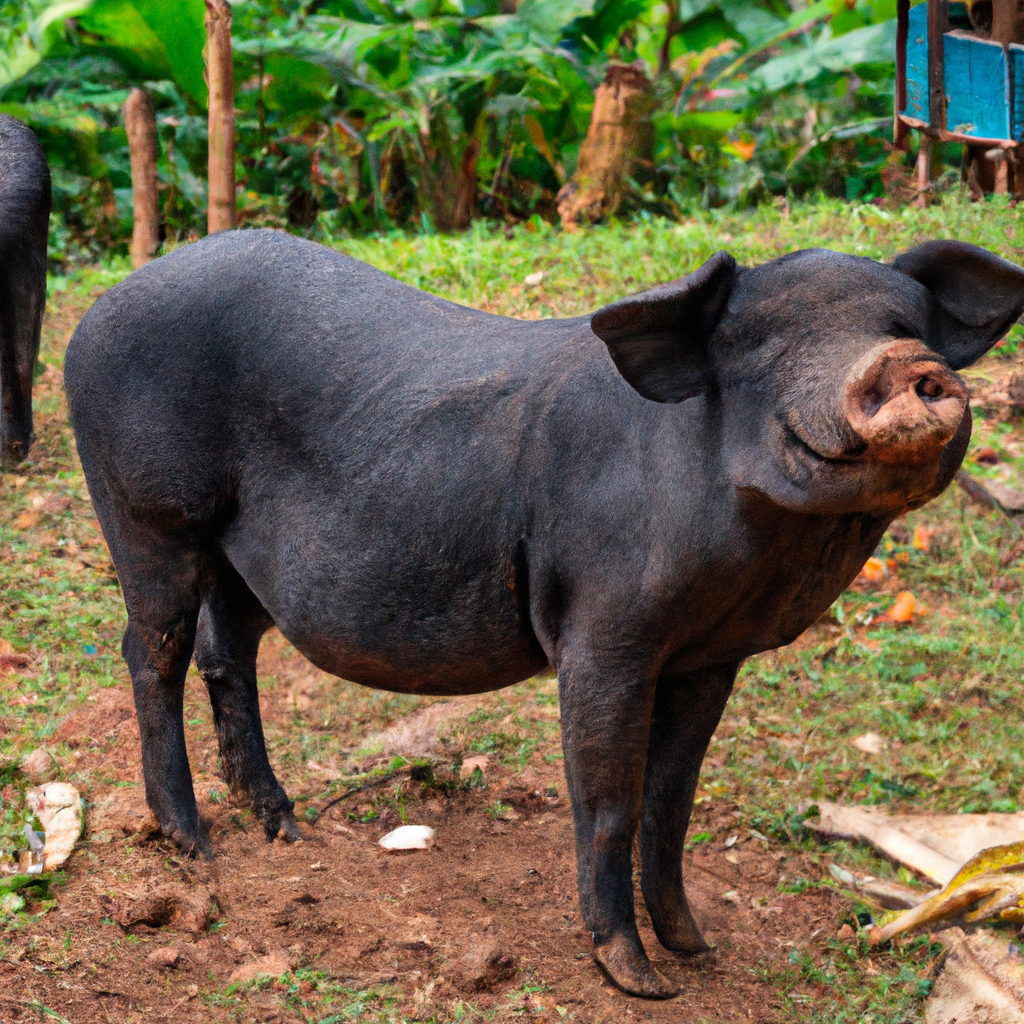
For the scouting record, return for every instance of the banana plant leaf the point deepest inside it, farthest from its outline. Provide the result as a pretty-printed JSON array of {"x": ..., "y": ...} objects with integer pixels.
[
  {"x": 992, "y": 883},
  {"x": 43, "y": 31},
  {"x": 18, "y": 60},
  {"x": 716, "y": 122},
  {"x": 152, "y": 39},
  {"x": 872, "y": 44},
  {"x": 551, "y": 17}
]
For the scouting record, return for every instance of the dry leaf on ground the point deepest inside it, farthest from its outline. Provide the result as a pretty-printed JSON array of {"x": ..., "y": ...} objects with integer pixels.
[
  {"x": 982, "y": 981},
  {"x": 901, "y": 610},
  {"x": 870, "y": 743},
  {"x": 874, "y": 570},
  {"x": 470, "y": 765},
  {"x": 933, "y": 845},
  {"x": 273, "y": 965},
  {"x": 884, "y": 834}
]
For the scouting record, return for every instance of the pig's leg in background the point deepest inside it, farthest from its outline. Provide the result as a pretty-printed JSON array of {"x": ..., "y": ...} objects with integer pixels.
[
  {"x": 605, "y": 709},
  {"x": 231, "y": 623},
  {"x": 687, "y": 709}
]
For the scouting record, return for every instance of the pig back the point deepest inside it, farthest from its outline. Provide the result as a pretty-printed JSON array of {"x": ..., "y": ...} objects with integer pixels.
[{"x": 255, "y": 348}]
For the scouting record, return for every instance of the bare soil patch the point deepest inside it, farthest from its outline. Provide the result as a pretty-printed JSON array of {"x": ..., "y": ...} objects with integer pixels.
[{"x": 486, "y": 918}]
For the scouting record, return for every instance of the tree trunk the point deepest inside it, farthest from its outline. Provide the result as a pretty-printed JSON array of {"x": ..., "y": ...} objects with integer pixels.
[
  {"x": 620, "y": 135},
  {"x": 140, "y": 124},
  {"x": 438, "y": 182},
  {"x": 1008, "y": 21},
  {"x": 465, "y": 190},
  {"x": 220, "y": 77}
]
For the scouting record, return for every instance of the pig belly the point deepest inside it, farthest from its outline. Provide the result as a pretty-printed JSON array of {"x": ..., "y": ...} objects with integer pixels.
[
  {"x": 397, "y": 623},
  {"x": 437, "y": 661}
]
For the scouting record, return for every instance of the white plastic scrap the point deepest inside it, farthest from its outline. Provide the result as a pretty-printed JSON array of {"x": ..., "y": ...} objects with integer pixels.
[
  {"x": 36, "y": 846},
  {"x": 408, "y": 837}
]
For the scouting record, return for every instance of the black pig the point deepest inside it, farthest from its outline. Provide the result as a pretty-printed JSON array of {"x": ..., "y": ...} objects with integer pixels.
[
  {"x": 24, "y": 227},
  {"x": 430, "y": 499}
]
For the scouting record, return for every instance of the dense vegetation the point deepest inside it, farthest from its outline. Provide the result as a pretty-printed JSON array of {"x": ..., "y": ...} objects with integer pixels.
[{"x": 355, "y": 115}]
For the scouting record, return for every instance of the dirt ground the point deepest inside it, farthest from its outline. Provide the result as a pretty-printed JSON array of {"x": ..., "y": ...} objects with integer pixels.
[{"x": 487, "y": 917}]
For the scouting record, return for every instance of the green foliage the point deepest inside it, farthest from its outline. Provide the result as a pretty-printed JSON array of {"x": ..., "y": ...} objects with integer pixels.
[
  {"x": 151, "y": 39},
  {"x": 365, "y": 114}
]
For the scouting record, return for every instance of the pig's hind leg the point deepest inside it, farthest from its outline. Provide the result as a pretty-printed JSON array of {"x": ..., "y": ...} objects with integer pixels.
[
  {"x": 231, "y": 623},
  {"x": 162, "y": 584},
  {"x": 687, "y": 709}
]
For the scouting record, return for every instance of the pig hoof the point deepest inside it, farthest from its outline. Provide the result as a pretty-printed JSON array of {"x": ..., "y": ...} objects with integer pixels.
[
  {"x": 682, "y": 938},
  {"x": 631, "y": 971},
  {"x": 193, "y": 842},
  {"x": 278, "y": 819}
]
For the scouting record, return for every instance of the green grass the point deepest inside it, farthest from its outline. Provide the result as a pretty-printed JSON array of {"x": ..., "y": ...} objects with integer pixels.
[
  {"x": 944, "y": 691},
  {"x": 585, "y": 269}
]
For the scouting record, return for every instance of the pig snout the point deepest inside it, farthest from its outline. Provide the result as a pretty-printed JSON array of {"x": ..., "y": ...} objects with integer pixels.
[{"x": 903, "y": 402}]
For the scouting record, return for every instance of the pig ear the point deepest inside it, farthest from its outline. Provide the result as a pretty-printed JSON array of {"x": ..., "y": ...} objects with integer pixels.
[
  {"x": 658, "y": 339},
  {"x": 977, "y": 297}
]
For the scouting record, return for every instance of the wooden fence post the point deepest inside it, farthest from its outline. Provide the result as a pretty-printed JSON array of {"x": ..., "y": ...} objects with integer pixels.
[
  {"x": 220, "y": 77},
  {"x": 140, "y": 124}
]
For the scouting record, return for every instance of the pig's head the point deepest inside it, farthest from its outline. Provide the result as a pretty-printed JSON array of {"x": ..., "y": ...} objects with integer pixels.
[{"x": 831, "y": 378}]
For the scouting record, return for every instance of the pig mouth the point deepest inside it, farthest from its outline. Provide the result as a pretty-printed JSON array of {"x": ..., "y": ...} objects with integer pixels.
[
  {"x": 812, "y": 455},
  {"x": 850, "y": 479}
]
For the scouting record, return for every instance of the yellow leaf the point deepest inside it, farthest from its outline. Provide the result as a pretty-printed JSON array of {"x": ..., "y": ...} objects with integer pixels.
[
  {"x": 539, "y": 140},
  {"x": 991, "y": 882}
]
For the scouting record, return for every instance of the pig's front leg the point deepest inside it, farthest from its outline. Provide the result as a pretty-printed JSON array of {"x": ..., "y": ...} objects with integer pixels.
[
  {"x": 605, "y": 725},
  {"x": 687, "y": 709}
]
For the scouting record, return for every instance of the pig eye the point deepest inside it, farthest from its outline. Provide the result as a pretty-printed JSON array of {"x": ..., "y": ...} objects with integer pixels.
[
  {"x": 928, "y": 388},
  {"x": 901, "y": 330}
]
